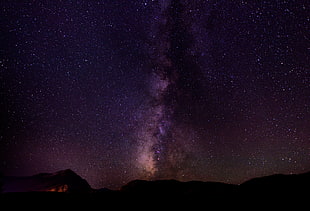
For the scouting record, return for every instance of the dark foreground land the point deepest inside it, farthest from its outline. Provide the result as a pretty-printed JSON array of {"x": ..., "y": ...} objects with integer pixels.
[{"x": 279, "y": 191}]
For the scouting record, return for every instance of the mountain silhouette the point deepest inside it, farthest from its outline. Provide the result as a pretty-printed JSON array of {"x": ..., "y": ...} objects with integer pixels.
[
  {"x": 278, "y": 184},
  {"x": 177, "y": 188},
  {"x": 61, "y": 181},
  {"x": 275, "y": 189},
  {"x": 68, "y": 181}
]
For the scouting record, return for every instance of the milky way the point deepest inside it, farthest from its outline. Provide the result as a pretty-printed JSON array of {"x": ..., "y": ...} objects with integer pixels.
[
  {"x": 118, "y": 90},
  {"x": 161, "y": 152}
]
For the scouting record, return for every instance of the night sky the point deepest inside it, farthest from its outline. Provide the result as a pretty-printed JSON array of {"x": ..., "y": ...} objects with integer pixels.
[{"x": 116, "y": 90}]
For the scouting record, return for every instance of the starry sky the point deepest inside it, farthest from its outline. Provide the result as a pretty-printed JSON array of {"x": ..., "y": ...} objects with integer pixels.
[{"x": 116, "y": 90}]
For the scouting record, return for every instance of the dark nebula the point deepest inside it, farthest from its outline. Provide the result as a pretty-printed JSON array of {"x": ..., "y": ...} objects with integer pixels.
[{"x": 119, "y": 90}]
